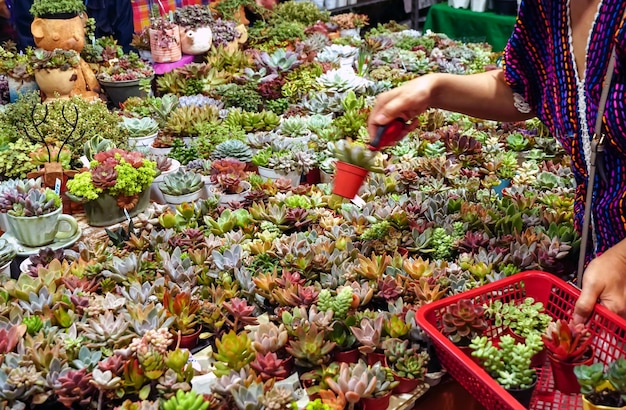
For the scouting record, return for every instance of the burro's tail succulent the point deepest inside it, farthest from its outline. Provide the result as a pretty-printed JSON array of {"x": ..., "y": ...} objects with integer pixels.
[{"x": 358, "y": 155}]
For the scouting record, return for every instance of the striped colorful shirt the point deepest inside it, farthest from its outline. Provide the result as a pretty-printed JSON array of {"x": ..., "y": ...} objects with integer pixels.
[
  {"x": 141, "y": 9},
  {"x": 540, "y": 66}
]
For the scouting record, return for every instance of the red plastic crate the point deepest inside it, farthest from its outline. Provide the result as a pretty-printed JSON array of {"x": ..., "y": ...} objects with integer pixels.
[{"x": 608, "y": 332}]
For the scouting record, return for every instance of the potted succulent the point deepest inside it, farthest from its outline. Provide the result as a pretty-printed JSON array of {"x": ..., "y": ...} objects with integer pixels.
[
  {"x": 603, "y": 390},
  {"x": 125, "y": 77},
  {"x": 350, "y": 24},
  {"x": 181, "y": 186},
  {"x": 195, "y": 28},
  {"x": 55, "y": 71},
  {"x": 18, "y": 69},
  {"x": 463, "y": 321},
  {"x": 165, "y": 166},
  {"x": 369, "y": 334},
  {"x": 117, "y": 184},
  {"x": 164, "y": 38},
  {"x": 183, "y": 307},
  {"x": 7, "y": 253},
  {"x": 385, "y": 383},
  {"x": 228, "y": 179},
  {"x": 52, "y": 9},
  {"x": 354, "y": 161},
  {"x": 567, "y": 345},
  {"x": 510, "y": 363},
  {"x": 407, "y": 364},
  {"x": 35, "y": 218},
  {"x": 141, "y": 131}
]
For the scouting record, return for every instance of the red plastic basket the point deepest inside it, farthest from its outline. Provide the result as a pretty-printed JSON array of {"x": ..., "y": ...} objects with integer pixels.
[{"x": 608, "y": 332}]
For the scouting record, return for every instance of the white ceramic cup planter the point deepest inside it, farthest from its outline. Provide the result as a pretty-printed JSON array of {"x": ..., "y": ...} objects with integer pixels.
[
  {"x": 227, "y": 198},
  {"x": 479, "y": 5},
  {"x": 459, "y": 4},
  {"x": 155, "y": 193}
]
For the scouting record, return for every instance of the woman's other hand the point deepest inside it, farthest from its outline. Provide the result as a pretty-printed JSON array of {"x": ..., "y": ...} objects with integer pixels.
[{"x": 604, "y": 282}]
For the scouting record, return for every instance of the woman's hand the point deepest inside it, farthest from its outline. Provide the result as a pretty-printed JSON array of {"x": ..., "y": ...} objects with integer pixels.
[{"x": 604, "y": 281}]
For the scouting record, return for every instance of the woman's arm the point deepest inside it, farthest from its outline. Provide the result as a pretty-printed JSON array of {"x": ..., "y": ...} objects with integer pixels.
[
  {"x": 485, "y": 95},
  {"x": 604, "y": 281}
]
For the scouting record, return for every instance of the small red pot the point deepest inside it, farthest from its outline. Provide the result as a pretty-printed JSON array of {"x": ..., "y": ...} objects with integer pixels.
[
  {"x": 375, "y": 357},
  {"x": 376, "y": 403},
  {"x": 313, "y": 176},
  {"x": 347, "y": 356},
  {"x": 405, "y": 385},
  {"x": 348, "y": 179},
  {"x": 563, "y": 374},
  {"x": 189, "y": 341}
]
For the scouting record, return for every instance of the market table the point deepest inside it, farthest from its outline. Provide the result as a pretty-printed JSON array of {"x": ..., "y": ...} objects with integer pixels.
[{"x": 469, "y": 26}]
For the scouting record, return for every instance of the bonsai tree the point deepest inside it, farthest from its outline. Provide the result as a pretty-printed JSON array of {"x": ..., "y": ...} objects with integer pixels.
[{"x": 603, "y": 388}]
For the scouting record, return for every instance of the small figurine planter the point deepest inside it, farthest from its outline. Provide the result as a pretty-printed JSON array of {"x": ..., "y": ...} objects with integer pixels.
[
  {"x": 165, "y": 44},
  {"x": 56, "y": 83},
  {"x": 196, "y": 41}
]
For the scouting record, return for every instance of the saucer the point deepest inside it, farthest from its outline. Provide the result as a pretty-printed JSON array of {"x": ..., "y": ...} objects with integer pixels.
[{"x": 23, "y": 250}]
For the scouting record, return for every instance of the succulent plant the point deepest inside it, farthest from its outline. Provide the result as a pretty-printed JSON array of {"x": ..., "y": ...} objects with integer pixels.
[
  {"x": 183, "y": 307},
  {"x": 7, "y": 253},
  {"x": 310, "y": 348},
  {"x": 36, "y": 203},
  {"x": 269, "y": 366},
  {"x": 294, "y": 127},
  {"x": 95, "y": 145},
  {"x": 233, "y": 352},
  {"x": 603, "y": 388},
  {"x": 280, "y": 61},
  {"x": 358, "y": 155},
  {"x": 140, "y": 127},
  {"x": 250, "y": 397},
  {"x": 567, "y": 342},
  {"x": 269, "y": 338},
  {"x": 233, "y": 149},
  {"x": 189, "y": 400},
  {"x": 355, "y": 382},
  {"x": 462, "y": 321},
  {"x": 369, "y": 334},
  {"x": 181, "y": 182}
]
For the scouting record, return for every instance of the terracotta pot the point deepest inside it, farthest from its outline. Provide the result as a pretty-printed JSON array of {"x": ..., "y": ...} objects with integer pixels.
[
  {"x": 347, "y": 356},
  {"x": 165, "y": 45},
  {"x": 376, "y": 403},
  {"x": 587, "y": 405},
  {"x": 405, "y": 385},
  {"x": 375, "y": 357},
  {"x": 563, "y": 373},
  {"x": 56, "y": 83},
  {"x": 523, "y": 395},
  {"x": 189, "y": 341},
  {"x": 348, "y": 179}
]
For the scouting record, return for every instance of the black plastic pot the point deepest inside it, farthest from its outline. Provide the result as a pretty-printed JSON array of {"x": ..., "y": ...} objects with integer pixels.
[
  {"x": 120, "y": 91},
  {"x": 523, "y": 395},
  {"x": 507, "y": 7}
]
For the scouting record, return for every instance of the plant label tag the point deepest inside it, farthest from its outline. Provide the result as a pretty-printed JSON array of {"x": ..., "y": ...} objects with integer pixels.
[
  {"x": 126, "y": 213},
  {"x": 84, "y": 161},
  {"x": 358, "y": 201},
  {"x": 57, "y": 186}
]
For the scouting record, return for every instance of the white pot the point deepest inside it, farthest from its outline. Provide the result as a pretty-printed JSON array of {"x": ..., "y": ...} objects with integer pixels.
[
  {"x": 179, "y": 199},
  {"x": 5, "y": 270},
  {"x": 4, "y": 223},
  {"x": 304, "y": 140},
  {"x": 269, "y": 173},
  {"x": 319, "y": 3},
  {"x": 160, "y": 151},
  {"x": 342, "y": 3},
  {"x": 352, "y": 2},
  {"x": 228, "y": 198},
  {"x": 330, "y": 4},
  {"x": 350, "y": 32},
  {"x": 140, "y": 142},
  {"x": 155, "y": 193},
  {"x": 479, "y": 5},
  {"x": 459, "y": 4}
]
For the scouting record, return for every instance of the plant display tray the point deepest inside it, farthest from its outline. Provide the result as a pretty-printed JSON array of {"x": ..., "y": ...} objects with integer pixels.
[{"x": 608, "y": 333}]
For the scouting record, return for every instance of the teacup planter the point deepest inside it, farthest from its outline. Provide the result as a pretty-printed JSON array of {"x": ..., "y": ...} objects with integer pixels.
[{"x": 35, "y": 231}]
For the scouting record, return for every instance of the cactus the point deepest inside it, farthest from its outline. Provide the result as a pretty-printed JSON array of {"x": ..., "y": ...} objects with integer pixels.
[
  {"x": 181, "y": 183},
  {"x": 358, "y": 155}
]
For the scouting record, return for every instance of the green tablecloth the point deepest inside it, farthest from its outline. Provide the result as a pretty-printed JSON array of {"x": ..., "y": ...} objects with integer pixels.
[{"x": 470, "y": 27}]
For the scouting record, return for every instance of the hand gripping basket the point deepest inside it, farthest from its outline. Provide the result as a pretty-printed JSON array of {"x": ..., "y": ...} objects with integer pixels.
[{"x": 608, "y": 333}]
